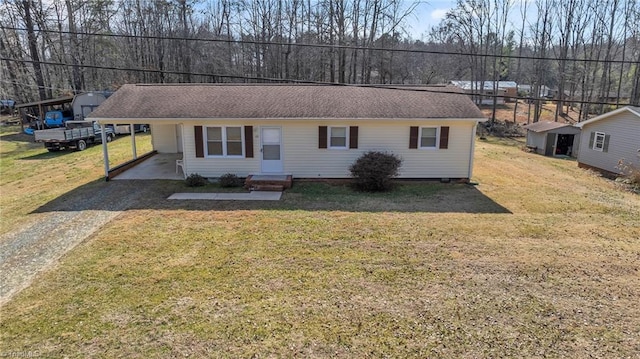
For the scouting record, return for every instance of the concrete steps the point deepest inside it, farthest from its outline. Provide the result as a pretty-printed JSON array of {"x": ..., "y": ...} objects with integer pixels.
[{"x": 275, "y": 183}]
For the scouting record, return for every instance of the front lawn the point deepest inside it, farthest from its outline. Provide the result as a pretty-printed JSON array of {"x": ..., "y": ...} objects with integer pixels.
[
  {"x": 30, "y": 176},
  {"x": 541, "y": 259}
]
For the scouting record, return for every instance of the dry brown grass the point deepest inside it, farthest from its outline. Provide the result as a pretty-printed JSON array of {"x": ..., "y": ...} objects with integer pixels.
[
  {"x": 524, "y": 113},
  {"x": 555, "y": 275}
]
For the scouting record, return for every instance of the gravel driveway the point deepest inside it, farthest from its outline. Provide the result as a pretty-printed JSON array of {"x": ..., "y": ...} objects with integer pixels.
[{"x": 58, "y": 228}]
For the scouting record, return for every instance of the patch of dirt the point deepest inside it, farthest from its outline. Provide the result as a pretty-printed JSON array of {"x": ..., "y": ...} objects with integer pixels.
[{"x": 525, "y": 113}]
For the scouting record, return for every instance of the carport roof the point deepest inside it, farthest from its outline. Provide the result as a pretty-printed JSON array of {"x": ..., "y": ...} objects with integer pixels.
[
  {"x": 265, "y": 101},
  {"x": 50, "y": 102},
  {"x": 544, "y": 126}
]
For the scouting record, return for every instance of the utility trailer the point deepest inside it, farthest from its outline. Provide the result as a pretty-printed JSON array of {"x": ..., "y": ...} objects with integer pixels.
[{"x": 76, "y": 135}]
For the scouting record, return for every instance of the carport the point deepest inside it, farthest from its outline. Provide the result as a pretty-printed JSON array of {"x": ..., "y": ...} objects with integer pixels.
[
  {"x": 155, "y": 166},
  {"x": 41, "y": 107},
  {"x": 160, "y": 163}
]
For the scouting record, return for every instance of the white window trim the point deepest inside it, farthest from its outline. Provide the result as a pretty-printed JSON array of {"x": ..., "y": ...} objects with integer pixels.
[
  {"x": 435, "y": 147},
  {"x": 224, "y": 142},
  {"x": 346, "y": 140},
  {"x": 595, "y": 141}
]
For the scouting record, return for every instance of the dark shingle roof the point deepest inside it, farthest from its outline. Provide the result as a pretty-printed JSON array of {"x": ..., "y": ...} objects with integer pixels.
[
  {"x": 543, "y": 126},
  {"x": 284, "y": 101}
]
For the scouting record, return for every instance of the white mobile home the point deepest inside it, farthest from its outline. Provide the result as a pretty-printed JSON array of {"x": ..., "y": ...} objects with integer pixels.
[{"x": 83, "y": 104}]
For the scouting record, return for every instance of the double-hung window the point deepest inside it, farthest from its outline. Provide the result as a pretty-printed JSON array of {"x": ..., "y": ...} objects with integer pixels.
[
  {"x": 224, "y": 141},
  {"x": 598, "y": 141},
  {"x": 338, "y": 137},
  {"x": 428, "y": 137}
]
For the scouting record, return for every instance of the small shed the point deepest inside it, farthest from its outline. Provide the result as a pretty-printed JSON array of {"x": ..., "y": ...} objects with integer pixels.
[{"x": 553, "y": 138}]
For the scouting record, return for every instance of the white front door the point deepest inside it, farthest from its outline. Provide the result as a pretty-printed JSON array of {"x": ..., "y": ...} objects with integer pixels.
[{"x": 271, "y": 149}]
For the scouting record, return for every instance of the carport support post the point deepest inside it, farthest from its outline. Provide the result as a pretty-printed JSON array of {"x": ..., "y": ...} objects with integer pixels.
[
  {"x": 132, "y": 129},
  {"x": 40, "y": 123},
  {"x": 473, "y": 146},
  {"x": 105, "y": 151}
]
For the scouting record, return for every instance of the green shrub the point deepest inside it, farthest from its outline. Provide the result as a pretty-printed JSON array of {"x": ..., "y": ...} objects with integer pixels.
[
  {"x": 195, "y": 180},
  {"x": 230, "y": 180},
  {"x": 374, "y": 171}
]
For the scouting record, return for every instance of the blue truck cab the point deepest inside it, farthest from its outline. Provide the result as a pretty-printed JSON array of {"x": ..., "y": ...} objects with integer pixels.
[{"x": 57, "y": 118}]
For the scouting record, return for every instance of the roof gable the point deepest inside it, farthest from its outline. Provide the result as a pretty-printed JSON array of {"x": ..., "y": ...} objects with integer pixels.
[
  {"x": 631, "y": 109},
  {"x": 256, "y": 101}
]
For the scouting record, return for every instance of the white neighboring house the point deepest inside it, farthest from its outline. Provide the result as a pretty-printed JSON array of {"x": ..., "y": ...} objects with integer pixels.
[
  {"x": 553, "y": 138},
  {"x": 527, "y": 90},
  {"x": 306, "y": 131},
  {"x": 609, "y": 138},
  {"x": 506, "y": 91}
]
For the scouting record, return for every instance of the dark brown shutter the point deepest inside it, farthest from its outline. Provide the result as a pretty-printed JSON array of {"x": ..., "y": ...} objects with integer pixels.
[
  {"x": 322, "y": 137},
  {"x": 248, "y": 141},
  {"x": 444, "y": 137},
  {"x": 199, "y": 141},
  {"x": 592, "y": 138},
  {"x": 413, "y": 137},
  {"x": 605, "y": 146},
  {"x": 353, "y": 137}
]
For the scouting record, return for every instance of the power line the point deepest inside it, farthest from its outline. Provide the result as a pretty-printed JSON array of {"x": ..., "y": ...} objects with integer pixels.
[
  {"x": 215, "y": 75},
  {"x": 22, "y": 84},
  {"x": 309, "y": 82},
  {"x": 324, "y": 46}
]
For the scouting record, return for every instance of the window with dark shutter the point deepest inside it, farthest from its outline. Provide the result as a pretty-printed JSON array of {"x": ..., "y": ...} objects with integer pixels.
[
  {"x": 599, "y": 141},
  {"x": 353, "y": 137},
  {"x": 413, "y": 137},
  {"x": 322, "y": 137},
  {"x": 248, "y": 141},
  {"x": 199, "y": 140},
  {"x": 444, "y": 137}
]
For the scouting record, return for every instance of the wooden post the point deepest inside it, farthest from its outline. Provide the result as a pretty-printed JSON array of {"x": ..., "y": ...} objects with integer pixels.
[
  {"x": 21, "y": 120},
  {"x": 40, "y": 118}
]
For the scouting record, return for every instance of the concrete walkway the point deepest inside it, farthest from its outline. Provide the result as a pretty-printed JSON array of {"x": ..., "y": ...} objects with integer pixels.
[
  {"x": 159, "y": 166},
  {"x": 251, "y": 196}
]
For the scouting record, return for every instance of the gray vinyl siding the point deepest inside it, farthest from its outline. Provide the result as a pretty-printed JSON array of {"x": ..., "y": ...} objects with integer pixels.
[
  {"x": 303, "y": 159},
  {"x": 539, "y": 139},
  {"x": 624, "y": 141}
]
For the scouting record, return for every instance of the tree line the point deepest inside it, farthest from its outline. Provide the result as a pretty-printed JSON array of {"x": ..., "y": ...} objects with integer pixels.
[{"x": 587, "y": 50}]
